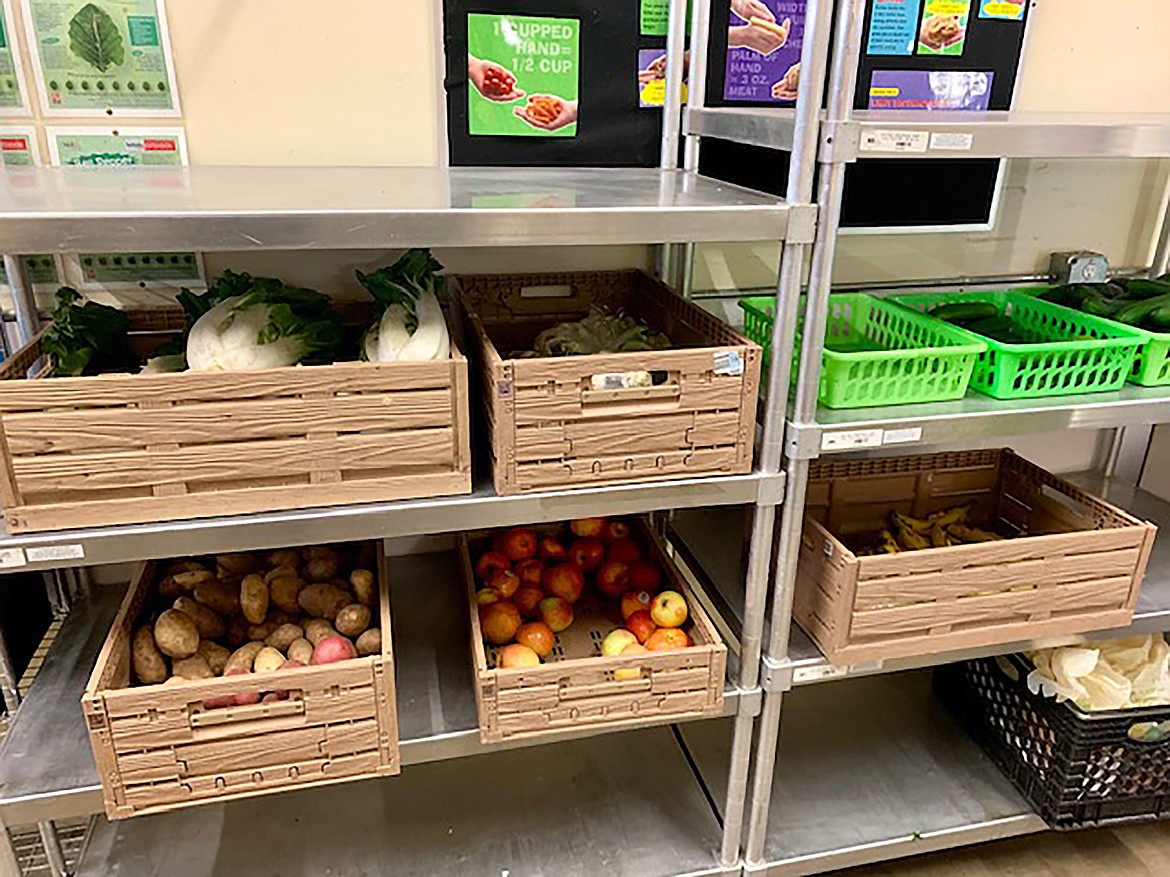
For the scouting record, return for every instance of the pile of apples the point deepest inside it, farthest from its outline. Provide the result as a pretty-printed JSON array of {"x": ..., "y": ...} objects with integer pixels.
[{"x": 528, "y": 583}]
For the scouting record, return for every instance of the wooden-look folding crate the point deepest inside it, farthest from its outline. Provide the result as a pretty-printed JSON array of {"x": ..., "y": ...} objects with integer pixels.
[
  {"x": 130, "y": 448},
  {"x": 1075, "y": 565},
  {"x": 552, "y": 427},
  {"x": 575, "y": 688},
  {"x": 157, "y": 748}
]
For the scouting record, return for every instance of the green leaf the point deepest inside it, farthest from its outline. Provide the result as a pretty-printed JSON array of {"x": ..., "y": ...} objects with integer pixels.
[
  {"x": 95, "y": 38},
  {"x": 85, "y": 338}
]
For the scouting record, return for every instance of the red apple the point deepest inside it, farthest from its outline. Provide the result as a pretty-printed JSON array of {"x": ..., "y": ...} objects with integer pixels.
[
  {"x": 669, "y": 609},
  {"x": 565, "y": 580},
  {"x": 519, "y": 543},
  {"x": 490, "y": 562},
  {"x": 499, "y": 622},
  {"x": 633, "y": 601},
  {"x": 594, "y": 527},
  {"x": 504, "y": 582},
  {"x": 623, "y": 551},
  {"x": 615, "y": 641},
  {"x": 527, "y": 600},
  {"x": 613, "y": 579},
  {"x": 666, "y": 638},
  {"x": 587, "y": 553},
  {"x": 641, "y": 625},
  {"x": 617, "y": 530},
  {"x": 556, "y": 613},
  {"x": 645, "y": 576},
  {"x": 517, "y": 655},
  {"x": 538, "y": 636},
  {"x": 530, "y": 571},
  {"x": 551, "y": 549}
]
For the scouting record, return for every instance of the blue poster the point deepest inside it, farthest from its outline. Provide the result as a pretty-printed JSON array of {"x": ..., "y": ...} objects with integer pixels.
[{"x": 893, "y": 27}]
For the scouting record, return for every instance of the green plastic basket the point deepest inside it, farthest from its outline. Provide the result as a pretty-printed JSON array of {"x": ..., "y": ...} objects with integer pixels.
[
  {"x": 877, "y": 353},
  {"x": 1074, "y": 353}
]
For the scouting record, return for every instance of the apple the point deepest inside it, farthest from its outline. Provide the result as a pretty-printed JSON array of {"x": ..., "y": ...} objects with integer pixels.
[
  {"x": 645, "y": 576},
  {"x": 613, "y": 579},
  {"x": 530, "y": 571},
  {"x": 557, "y": 613},
  {"x": 669, "y": 609},
  {"x": 624, "y": 551},
  {"x": 616, "y": 641},
  {"x": 628, "y": 673},
  {"x": 587, "y": 553},
  {"x": 527, "y": 600},
  {"x": 490, "y": 562},
  {"x": 517, "y": 655},
  {"x": 632, "y": 601},
  {"x": 499, "y": 622},
  {"x": 551, "y": 549},
  {"x": 486, "y": 596},
  {"x": 618, "y": 530},
  {"x": 594, "y": 527},
  {"x": 641, "y": 625},
  {"x": 519, "y": 543},
  {"x": 667, "y": 638},
  {"x": 564, "y": 580},
  {"x": 504, "y": 582},
  {"x": 538, "y": 636}
]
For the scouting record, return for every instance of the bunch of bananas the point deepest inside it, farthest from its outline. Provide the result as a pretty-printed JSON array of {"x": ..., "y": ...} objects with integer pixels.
[{"x": 940, "y": 530}]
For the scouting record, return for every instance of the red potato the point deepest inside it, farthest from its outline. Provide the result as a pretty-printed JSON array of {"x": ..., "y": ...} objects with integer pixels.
[
  {"x": 333, "y": 649},
  {"x": 244, "y": 698}
]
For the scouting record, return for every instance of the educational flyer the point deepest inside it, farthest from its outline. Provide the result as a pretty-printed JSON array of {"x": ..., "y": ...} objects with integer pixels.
[
  {"x": 12, "y": 95},
  {"x": 652, "y": 78},
  {"x": 106, "y": 57},
  {"x": 523, "y": 75},
  {"x": 1000, "y": 9},
  {"x": 930, "y": 90},
  {"x": 18, "y": 147},
  {"x": 654, "y": 17},
  {"x": 944, "y": 27},
  {"x": 763, "y": 50},
  {"x": 893, "y": 27}
]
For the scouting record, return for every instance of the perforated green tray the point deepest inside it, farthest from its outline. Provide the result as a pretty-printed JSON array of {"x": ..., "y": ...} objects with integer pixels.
[{"x": 877, "y": 353}]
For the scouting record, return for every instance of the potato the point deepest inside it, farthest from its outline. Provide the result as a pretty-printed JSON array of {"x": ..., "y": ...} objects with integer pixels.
[
  {"x": 281, "y": 617},
  {"x": 260, "y": 632},
  {"x": 333, "y": 649},
  {"x": 177, "y": 680},
  {"x": 323, "y": 601},
  {"x": 254, "y": 598},
  {"x": 370, "y": 642},
  {"x": 283, "y": 592},
  {"x": 286, "y": 557},
  {"x": 245, "y": 698},
  {"x": 280, "y": 571},
  {"x": 190, "y": 579},
  {"x": 194, "y": 667},
  {"x": 149, "y": 665},
  {"x": 321, "y": 569},
  {"x": 301, "y": 650},
  {"x": 209, "y": 625},
  {"x": 352, "y": 620},
  {"x": 237, "y": 631},
  {"x": 219, "y": 596},
  {"x": 236, "y": 564},
  {"x": 242, "y": 658},
  {"x": 365, "y": 588},
  {"x": 317, "y": 629},
  {"x": 268, "y": 659},
  {"x": 284, "y": 636},
  {"x": 176, "y": 634},
  {"x": 215, "y": 655},
  {"x": 178, "y": 566},
  {"x": 168, "y": 588}
]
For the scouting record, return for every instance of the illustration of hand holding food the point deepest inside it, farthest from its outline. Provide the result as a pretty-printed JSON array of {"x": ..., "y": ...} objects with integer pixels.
[
  {"x": 656, "y": 69},
  {"x": 787, "y": 88},
  {"x": 547, "y": 112},
  {"x": 492, "y": 81},
  {"x": 761, "y": 34}
]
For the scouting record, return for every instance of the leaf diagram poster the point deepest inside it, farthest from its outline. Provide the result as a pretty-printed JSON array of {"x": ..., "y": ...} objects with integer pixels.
[
  {"x": 105, "y": 57},
  {"x": 12, "y": 99}
]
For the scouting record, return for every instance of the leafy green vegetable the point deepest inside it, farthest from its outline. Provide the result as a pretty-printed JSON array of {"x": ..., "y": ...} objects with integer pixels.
[
  {"x": 410, "y": 324},
  {"x": 85, "y": 338},
  {"x": 95, "y": 38},
  {"x": 599, "y": 333}
]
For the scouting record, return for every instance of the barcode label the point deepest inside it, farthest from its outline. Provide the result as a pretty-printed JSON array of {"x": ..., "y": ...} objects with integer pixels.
[{"x": 728, "y": 362}]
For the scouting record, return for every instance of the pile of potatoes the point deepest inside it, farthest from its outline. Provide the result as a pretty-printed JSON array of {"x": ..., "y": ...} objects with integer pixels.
[{"x": 253, "y": 613}]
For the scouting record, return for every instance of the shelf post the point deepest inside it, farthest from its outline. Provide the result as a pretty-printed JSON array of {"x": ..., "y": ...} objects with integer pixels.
[{"x": 23, "y": 300}]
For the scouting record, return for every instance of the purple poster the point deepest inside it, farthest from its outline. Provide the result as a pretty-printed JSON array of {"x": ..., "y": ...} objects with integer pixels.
[
  {"x": 929, "y": 90},
  {"x": 763, "y": 50}
]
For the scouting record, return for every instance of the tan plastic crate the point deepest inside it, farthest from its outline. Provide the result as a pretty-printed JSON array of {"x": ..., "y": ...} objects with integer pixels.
[
  {"x": 550, "y": 429},
  {"x": 158, "y": 749},
  {"x": 575, "y": 689},
  {"x": 129, "y": 448},
  {"x": 1079, "y": 569}
]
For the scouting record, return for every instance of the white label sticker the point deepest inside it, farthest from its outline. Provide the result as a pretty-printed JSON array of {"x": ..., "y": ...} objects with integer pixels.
[
  {"x": 901, "y": 436},
  {"x": 956, "y": 140},
  {"x": 56, "y": 552},
  {"x": 813, "y": 674},
  {"x": 728, "y": 362},
  {"x": 895, "y": 141},
  {"x": 12, "y": 557},
  {"x": 851, "y": 439}
]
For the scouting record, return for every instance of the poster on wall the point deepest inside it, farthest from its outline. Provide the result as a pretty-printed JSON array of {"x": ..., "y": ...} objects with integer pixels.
[
  {"x": 18, "y": 149},
  {"x": 652, "y": 77},
  {"x": 930, "y": 90},
  {"x": 13, "y": 96},
  {"x": 102, "y": 58},
  {"x": 763, "y": 50},
  {"x": 125, "y": 147},
  {"x": 944, "y": 27}
]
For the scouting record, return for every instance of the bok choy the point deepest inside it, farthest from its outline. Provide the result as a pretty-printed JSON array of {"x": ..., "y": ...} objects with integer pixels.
[{"x": 411, "y": 325}]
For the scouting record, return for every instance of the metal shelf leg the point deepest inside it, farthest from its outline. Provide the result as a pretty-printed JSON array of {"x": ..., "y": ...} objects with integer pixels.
[{"x": 54, "y": 854}]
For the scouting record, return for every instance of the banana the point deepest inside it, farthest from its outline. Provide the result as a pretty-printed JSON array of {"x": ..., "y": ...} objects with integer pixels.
[
  {"x": 887, "y": 544},
  {"x": 972, "y": 534},
  {"x": 908, "y": 537},
  {"x": 956, "y": 515},
  {"x": 918, "y": 525},
  {"x": 939, "y": 538}
]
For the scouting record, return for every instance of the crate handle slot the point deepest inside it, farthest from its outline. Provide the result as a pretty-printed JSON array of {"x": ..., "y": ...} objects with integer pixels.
[
  {"x": 662, "y": 390},
  {"x": 204, "y": 718},
  {"x": 553, "y": 298},
  {"x": 1149, "y": 732}
]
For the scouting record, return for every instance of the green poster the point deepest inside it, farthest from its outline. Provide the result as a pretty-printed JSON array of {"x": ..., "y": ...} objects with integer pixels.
[
  {"x": 106, "y": 55},
  {"x": 17, "y": 149},
  {"x": 139, "y": 267},
  {"x": 523, "y": 75},
  {"x": 42, "y": 271},
  {"x": 944, "y": 27},
  {"x": 653, "y": 16},
  {"x": 11, "y": 96}
]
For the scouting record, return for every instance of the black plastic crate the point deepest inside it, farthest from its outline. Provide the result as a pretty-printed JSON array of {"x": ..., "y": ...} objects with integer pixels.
[{"x": 1077, "y": 769}]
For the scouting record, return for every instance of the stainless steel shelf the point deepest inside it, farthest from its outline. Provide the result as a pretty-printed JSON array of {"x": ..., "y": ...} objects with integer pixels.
[
  {"x": 754, "y": 126},
  {"x": 971, "y": 419},
  {"x": 712, "y": 543},
  {"x": 268, "y": 208},
  {"x": 446, "y": 514},
  {"x": 46, "y": 765},
  {"x": 1152, "y": 615},
  {"x": 869, "y": 771},
  {"x": 628, "y": 807}
]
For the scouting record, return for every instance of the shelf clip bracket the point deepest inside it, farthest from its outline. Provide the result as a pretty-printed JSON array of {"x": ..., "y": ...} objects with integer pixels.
[
  {"x": 775, "y": 676},
  {"x": 840, "y": 141},
  {"x": 772, "y": 485},
  {"x": 751, "y": 702},
  {"x": 802, "y": 224}
]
